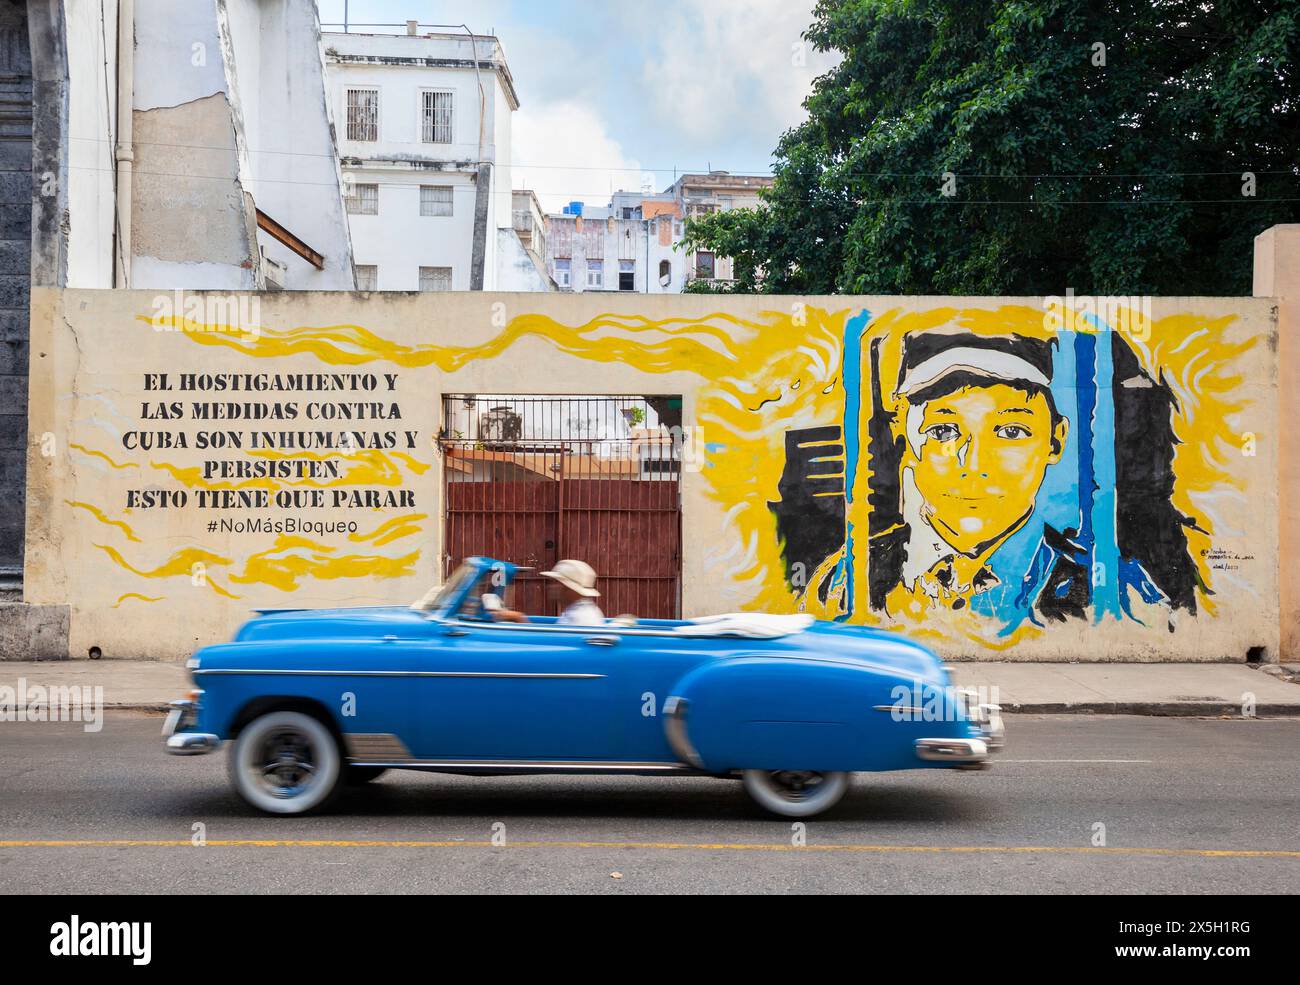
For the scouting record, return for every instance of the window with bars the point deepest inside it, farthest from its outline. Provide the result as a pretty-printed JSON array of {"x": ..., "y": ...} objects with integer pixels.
[
  {"x": 436, "y": 117},
  {"x": 367, "y": 277},
  {"x": 627, "y": 275},
  {"x": 435, "y": 278},
  {"x": 435, "y": 200},
  {"x": 363, "y": 114},
  {"x": 363, "y": 200}
]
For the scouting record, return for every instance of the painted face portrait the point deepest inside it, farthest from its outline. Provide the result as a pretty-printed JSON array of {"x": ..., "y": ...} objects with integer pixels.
[
  {"x": 976, "y": 456},
  {"x": 975, "y": 429}
]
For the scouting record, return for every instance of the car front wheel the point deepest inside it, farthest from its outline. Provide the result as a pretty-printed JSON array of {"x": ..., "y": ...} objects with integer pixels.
[
  {"x": 795, "y": 793},
  {"x": 285, "y": 762}
]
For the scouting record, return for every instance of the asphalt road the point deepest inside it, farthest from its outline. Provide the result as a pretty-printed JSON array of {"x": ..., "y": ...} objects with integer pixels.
[{"x": 1184, "y": 803}]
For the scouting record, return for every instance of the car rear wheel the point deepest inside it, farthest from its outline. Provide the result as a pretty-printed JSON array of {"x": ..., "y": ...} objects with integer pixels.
[
  {"x": 795, "y": 793},
  {"x": 285, "y": 762}
]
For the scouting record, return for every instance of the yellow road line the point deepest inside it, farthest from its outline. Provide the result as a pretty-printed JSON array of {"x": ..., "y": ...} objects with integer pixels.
[{"x": 650, "y": 845}]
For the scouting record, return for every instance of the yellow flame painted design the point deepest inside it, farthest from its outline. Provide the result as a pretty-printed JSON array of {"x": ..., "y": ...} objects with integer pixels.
[
  {"x": 295, "y": 558},
  {"x": 702, "y": 345},
  {"x": 391, "y": 530},
  {"x": 99, "y": 454},
  {"x": 284, "y": 566},
  {"x": 98, "y": 514},
  {"x": 192, "y": 563},
  {"x": 136, "y": 595}
]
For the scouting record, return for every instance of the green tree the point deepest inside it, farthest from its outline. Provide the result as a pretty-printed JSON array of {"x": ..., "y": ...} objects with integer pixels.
[{"x": 1099, "y": 146}]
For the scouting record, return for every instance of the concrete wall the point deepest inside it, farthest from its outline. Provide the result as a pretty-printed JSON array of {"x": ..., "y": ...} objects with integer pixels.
[
  {"x": 193, "y": 218},
  {"x": 1016, "y": 477},
  {"x": 231, "y": 116},
  {"x": 1277, "y": 275},
  {"x": 295, "y": 176},
  {"x": 516, "y": 268}
]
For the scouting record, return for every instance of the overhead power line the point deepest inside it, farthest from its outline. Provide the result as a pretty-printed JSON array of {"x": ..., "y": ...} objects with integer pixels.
[
  {"x": 600, "y": 193},
  {"x": 682, "y": 169}
]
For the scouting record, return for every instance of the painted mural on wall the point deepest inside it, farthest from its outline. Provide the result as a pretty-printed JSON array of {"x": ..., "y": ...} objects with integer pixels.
[
  {"x": 985, "y": 476},
  {"x": 978, "y": 476}
]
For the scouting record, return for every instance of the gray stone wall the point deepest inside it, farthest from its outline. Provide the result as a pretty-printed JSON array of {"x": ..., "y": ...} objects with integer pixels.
[{"x": 15, "y": 277}]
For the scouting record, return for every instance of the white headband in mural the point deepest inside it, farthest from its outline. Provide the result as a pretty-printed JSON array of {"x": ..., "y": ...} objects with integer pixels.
[{"x": 991, "y": 363}]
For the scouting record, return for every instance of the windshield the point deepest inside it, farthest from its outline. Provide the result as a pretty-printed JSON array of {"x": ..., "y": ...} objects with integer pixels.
[{"x": 439, "y": 598}]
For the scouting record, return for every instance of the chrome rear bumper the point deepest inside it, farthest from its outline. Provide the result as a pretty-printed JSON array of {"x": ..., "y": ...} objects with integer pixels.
[
  {"x": 966, "y": 751},
  {"x": 992, "y": 728},
  {"x": 986, "y": 717}
]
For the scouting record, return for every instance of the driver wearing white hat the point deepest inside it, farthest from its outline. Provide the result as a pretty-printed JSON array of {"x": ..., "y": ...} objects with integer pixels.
[{"x": 573, "y": 583}]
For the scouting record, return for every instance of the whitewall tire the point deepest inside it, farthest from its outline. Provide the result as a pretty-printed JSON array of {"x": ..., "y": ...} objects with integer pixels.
[
  {"x": 795, "y": 793},
  {"x": 285, "y": 762}
]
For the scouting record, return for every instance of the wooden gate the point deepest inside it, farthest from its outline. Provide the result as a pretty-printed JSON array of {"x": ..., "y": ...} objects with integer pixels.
[{"x": 515, "y": 493}]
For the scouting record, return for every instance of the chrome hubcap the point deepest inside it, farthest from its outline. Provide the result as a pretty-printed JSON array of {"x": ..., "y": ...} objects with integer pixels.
[
  {"x": 287, "y": 763},
  {"x": 795, "y": 785}
]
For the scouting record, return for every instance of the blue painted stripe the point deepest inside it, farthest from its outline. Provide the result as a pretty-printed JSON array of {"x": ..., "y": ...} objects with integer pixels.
[
  {"x": 1105, "y": 590},
  {"x": 851, "y": 375},
  {"x": 1085, "y": 389}
]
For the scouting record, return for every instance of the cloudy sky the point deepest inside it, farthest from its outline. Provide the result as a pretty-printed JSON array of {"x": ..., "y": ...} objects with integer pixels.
[{"x": 619, "y": 94}]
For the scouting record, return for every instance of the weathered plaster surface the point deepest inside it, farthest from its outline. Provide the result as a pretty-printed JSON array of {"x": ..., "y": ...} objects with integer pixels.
[{"x": 188, "y": 200}]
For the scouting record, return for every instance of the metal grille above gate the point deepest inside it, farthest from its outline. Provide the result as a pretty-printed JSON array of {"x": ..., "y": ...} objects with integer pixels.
[{"x": 533, "y": 479}]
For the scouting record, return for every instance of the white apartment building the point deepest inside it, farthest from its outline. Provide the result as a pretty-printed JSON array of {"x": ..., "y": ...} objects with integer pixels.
[
  {"x": 632, "y": 245},
  {"x": 424, "y": 142}
]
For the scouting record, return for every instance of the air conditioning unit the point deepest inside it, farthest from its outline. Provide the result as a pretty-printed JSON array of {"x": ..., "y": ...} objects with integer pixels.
[{"x": 500, "y": 424}]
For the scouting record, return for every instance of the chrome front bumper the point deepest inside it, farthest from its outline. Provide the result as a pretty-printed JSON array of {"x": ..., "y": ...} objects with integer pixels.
[
  {"x": 192, "y": 743},
  {"x": 178, "y": 740}
]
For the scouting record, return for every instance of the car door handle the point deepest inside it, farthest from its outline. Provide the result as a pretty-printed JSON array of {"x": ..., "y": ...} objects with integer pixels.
[
  {"x": 390, "y": 638},
  {"x": 455, "y": 632},
  {"x": 602, "y": 640}
]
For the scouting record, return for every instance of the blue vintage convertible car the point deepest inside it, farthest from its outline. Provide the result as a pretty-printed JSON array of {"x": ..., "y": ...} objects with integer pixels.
[{"x": 316, "y": 699}]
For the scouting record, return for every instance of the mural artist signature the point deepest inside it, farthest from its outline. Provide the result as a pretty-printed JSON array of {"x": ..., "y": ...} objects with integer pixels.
[{"x": 1222, "y": 560}]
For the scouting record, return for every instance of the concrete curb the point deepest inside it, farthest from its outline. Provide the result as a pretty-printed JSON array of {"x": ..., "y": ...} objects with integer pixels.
[{"x": 1159, "y": 709}]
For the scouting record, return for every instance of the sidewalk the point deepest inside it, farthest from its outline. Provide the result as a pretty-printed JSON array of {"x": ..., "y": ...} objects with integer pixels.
[
  {"x": 145, "y": 685},
  {"x": 1131, "y": 689},
  {"x": 1040, "y": 688}
]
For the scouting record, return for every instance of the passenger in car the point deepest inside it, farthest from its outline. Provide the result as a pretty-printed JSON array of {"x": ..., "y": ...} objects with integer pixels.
[{"x": 574, "y": 584}]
